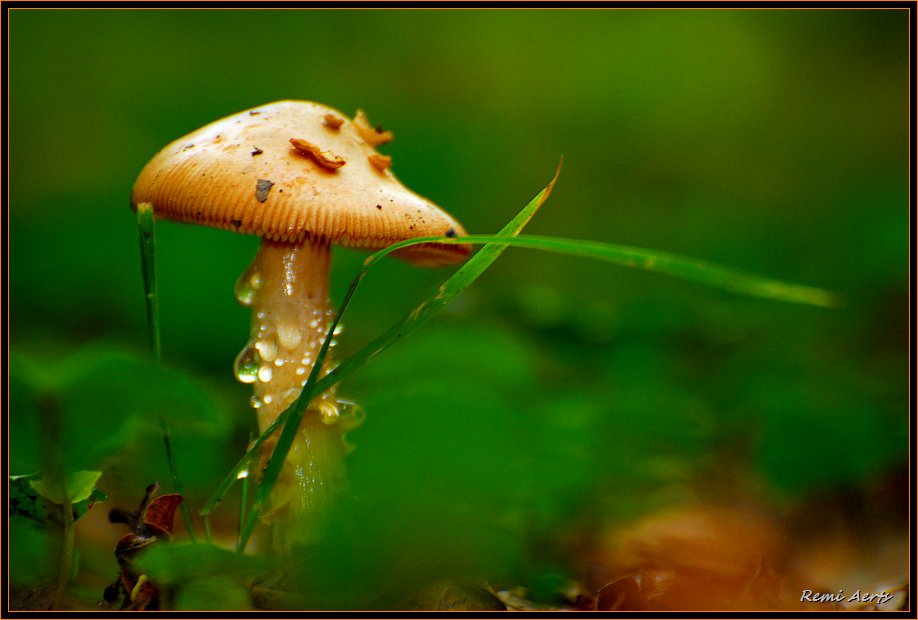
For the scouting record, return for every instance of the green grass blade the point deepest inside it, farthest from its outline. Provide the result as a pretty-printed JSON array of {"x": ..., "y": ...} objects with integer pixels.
[
  {"x": 457, "y": 283},
  {"x": 176, "y": 481},
  {"x": 148, "y": 264},
  {"x": 449, "y": 290},
  {"x": 693, "y": 269},
  {"x": 240, "y": 466},
  {"x": 243, "y": 506},
  {"x": 688, "y": 268}
]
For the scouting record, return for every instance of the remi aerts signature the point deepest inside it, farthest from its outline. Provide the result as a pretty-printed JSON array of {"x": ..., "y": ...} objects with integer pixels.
[{"x": 858, "y": 596}]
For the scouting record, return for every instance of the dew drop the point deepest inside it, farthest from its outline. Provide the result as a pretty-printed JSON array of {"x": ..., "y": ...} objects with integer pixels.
[
  {"x": 255, "y": 281},
  {"x": 267, "y": 349},
  {"x": 279, "y": 362},
  {"x": 314, "y": 323},
  {"x": 290, "y": 395},
  {"x": 255, "y": 402},
  {"x": 246, "y": 365},
  {"x": 329, "y": 412},
  {"x": 301, "y": 370},
  {"x": 268, "y": 398},
  {"x": 339, "y": 329},
  {"x": 264, "y": 375},
  {"x": 245, "y": 292},
  {"x": 352, "y": 415},
  {"x": 289, "y": 336}
]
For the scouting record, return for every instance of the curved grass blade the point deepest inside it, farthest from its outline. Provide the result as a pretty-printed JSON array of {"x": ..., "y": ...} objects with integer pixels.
[
  {"x": 685, "y": 267},
  {"x": 176, "y": 481},
  {"x": 448, "y": 291}
]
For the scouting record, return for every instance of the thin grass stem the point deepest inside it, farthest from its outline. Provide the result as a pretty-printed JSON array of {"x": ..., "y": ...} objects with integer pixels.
[
  {"x": 146, "y": 233},
  {"x": 207, "y": 533},
  {"x": 65, "y": 561},
  {"x": 243, "y": 505},
  {"x": 176, "y": 481}
]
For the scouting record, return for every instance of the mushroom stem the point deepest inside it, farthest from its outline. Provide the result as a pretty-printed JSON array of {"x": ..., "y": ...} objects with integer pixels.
[{"x": 287, "y": 289}]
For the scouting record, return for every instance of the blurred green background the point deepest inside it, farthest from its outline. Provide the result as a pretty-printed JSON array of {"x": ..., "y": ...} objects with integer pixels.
[{"x": 555, "y": 390}]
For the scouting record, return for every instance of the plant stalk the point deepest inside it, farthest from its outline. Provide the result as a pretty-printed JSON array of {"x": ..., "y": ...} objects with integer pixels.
[{"x": 145, "y": 229}]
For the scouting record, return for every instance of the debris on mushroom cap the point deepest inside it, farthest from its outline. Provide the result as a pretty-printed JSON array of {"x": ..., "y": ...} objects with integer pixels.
[
  {"x": 262, "y": 187},
  {"x": 215, "y": 182},
  {"x": 331, "y": 121},
  {"x": 326, "y": 160},
  {"x": 381, "y": 162},
  {"x": 373, "y": 137}
]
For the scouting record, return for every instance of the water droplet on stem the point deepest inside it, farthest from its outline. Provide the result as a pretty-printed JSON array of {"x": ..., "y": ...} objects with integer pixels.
[
  {"x": 245, "y": 287},
  {"x": 264, "y": 374},
  {"x": 289, "y": 336},
  {"x": 246, "y": 365},
  {"x": 267, "y": 349}
]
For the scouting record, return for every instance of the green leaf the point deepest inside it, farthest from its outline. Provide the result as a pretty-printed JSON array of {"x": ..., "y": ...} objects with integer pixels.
[
  {"x": 108, "y": 403},
  {"x": 175, "y": 563},
  {"x": 77, "y": 486},
  {"x": 24, "y": 501},
  {"x": 205, "y": 576},
  {"x": 30, "y": 551},
  {"x": 82, "y": 507},
  {"x": 216, "y": 593},
  {"x": 808, "y": 439},
  {"x": 25, "y": 392}
]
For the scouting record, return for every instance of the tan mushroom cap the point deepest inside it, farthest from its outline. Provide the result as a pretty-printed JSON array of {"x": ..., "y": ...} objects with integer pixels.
[{"x": 276, "y": 171}]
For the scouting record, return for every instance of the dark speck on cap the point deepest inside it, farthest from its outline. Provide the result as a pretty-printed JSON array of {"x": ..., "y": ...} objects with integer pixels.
[{"x": 262, "y": 187}]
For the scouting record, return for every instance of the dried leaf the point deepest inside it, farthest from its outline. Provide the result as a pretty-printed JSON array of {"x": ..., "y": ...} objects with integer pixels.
[
  {"x": 151, "y": 522},
  {"x": 454, "y": 595},
  {"x": 160, "y": 513}
]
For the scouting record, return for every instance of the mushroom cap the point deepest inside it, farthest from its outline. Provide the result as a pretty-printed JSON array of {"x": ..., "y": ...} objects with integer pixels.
[{"x": 275, "y": 171}]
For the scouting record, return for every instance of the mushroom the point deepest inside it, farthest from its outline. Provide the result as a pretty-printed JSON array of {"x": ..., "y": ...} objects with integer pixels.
[{"x": 301, "y": 176}]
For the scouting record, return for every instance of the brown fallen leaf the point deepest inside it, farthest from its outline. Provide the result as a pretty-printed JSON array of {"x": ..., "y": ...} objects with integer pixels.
[
  {"x": 700, "y": 558},
  {"x": 150, "y": 523}
]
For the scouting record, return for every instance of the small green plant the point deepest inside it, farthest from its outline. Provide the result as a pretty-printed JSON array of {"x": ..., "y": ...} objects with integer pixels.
[{"x": 50, "y": 505}]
